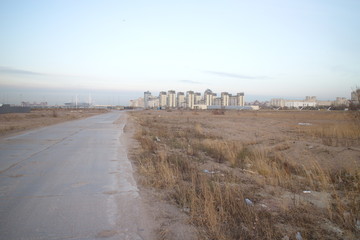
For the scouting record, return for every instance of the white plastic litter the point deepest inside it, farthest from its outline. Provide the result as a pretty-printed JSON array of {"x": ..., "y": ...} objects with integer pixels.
[
  {"x": 298, "y": 236},
  {"x": 306, "y": 191},
  {"x": 249, "y": 202}
]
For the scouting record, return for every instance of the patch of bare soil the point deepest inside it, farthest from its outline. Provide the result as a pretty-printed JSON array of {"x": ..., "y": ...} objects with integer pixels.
[
  {"x": 250, "y": 174},
  {"x": 11, "y": 123}
]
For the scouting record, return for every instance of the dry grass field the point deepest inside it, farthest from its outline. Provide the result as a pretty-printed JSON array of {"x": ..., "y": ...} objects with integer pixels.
[
  {"x": 255, "y": 174},
  {"x": 16, "y": 122}
]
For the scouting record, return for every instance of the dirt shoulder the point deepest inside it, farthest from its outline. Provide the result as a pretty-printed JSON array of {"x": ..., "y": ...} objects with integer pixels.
[
  {"x": 168, "y": 221},
  {"x": 12, "y": 123}
]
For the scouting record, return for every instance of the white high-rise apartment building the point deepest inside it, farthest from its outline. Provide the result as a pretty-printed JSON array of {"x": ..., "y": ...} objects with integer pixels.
[
  {"x": 190, "y": 99},
  {"x": 217, "y": 101},
  {"x": 180, "y": 101},
  {"x": 147, "y": 96},
  {"x": 162, "y": 99},
  {"x": 240, "y": 99},
  {"x": 224, "y": 99},
  {"x": 171, "y": 99},
  {"x": 208, "y": 97},
  {"x": 232, "y": 100},
  {"x": 214, "y": 96},
  {"x": 153, "y": 102},
  {"x": 197, "y": 98}
]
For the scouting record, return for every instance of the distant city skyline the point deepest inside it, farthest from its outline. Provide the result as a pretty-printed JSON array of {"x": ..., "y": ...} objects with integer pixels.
[
  {"x": 61, "y": 96},
  {"x": 209, "y": 99},
  {"x": 54, "y": 50}
]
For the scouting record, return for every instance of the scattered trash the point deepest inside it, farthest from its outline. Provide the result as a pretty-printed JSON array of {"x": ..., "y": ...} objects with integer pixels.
[
  {"x": 298, "y": 236},
  {"x": 304, "y": 124},
  {"x": 311, "y": 147},
  {"x": 157, "y": 139},
  {"x": 207, "y": 171},
  {"x": 249, "y": 202},
  {"x": 306, "y": 191}
]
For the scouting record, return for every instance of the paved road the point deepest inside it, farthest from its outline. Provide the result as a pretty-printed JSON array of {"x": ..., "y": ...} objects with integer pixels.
[{"x": 70, "y": 181}]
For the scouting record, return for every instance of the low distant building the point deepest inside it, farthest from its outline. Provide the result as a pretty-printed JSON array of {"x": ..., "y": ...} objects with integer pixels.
[
  {"x": 320, "y": 103},
  {"x": 309, "y": 101},
  {"x": 341, "y": 101},
  {"x": 34, "y": 104},
  {"x": 299, "y": 104},
  {"x": 200, "y": 106},
  {"x": 277, "y": 102},
  {"x": 77, "y": 105},
  {"x": 137, "y": 103}
]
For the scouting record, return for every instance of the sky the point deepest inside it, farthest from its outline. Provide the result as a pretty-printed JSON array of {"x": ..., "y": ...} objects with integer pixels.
[{"x": 113, "y": 51}]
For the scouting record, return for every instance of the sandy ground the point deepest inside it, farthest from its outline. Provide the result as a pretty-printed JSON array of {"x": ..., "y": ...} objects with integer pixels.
[{"x": 283, "y": 133}]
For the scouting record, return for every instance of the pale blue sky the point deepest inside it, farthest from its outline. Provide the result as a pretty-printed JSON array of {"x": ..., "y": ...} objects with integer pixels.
[{"x": 52, "y": 50}]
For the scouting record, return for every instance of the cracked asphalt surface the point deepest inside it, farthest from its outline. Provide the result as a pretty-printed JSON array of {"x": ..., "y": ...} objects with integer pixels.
[{"x": 70, "y": 181}]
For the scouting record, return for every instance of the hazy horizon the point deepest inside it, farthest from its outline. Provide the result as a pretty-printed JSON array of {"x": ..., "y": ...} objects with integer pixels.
[{"x": 114, "y": 50}]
